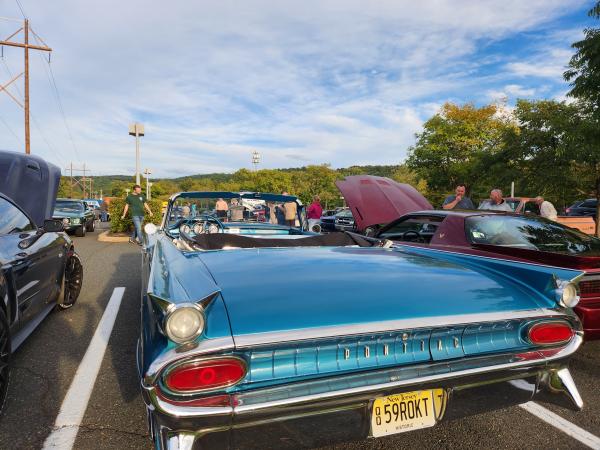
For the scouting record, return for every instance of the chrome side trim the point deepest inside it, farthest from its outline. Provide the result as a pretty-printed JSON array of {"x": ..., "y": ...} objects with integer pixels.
[
  {"x": 186, "y": 351},
  {"x": 274, "y": 337}
]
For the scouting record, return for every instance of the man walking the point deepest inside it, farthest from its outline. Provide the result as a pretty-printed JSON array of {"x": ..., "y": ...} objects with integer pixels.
[
  {"x": 547, "y": 209},
  {"x": 314, "y": 212},
  {"x": 459, "y": 200},
  {"x": 136, "y": 201}
]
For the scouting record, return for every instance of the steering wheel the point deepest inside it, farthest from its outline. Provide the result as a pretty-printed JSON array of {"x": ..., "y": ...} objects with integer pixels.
[{"x": 416, "y": 234}]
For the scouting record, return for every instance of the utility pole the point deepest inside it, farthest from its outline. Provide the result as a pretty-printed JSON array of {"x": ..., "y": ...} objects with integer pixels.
[
  {"x": 147, "y": 172},
  {"x": 71, "y": 182},
  {"x": 84, "y": 182},
  {"x": 137, "y": 130},
  {"x": 25, "y": 46}
]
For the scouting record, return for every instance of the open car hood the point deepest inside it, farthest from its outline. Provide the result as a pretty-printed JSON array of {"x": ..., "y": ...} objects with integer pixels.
[
  {"x": 31, "y": 183},
  {"x": 378, "y": 200}
]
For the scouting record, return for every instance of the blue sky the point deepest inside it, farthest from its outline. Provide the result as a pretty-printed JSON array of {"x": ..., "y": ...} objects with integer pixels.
[{"x": 311, "y": 82}]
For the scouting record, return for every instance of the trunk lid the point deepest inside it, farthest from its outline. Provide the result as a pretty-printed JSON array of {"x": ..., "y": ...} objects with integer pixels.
[{"x": 286, "y": 289}]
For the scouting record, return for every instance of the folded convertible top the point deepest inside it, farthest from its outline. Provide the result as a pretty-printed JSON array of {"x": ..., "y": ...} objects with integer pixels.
[{"x": 218, "y": 241}]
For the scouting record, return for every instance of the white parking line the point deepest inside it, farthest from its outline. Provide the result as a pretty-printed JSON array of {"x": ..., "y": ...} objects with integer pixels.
[
  {"x": 75, "y": 402},
  {"x": 562, "y": 424}
]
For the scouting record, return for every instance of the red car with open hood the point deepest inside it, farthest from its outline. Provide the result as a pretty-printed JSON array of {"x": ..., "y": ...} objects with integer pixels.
[{"x": 387, "y": 209}]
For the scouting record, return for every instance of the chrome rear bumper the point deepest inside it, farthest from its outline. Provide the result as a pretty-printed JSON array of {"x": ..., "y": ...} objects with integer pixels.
[{"x": 325, "y": 411}]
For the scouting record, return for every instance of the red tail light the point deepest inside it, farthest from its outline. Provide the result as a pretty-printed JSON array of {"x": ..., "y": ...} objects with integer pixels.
[
  {"x": 205, "y": 375},
  {"x": 549, "y": 333},
  {"x": 568, "y": 210}
]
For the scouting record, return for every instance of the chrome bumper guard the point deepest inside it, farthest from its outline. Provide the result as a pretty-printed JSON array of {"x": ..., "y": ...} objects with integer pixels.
[{"x": 334, "y": 409}]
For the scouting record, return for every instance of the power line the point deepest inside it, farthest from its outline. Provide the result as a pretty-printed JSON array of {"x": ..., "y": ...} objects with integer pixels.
[
  {"x": 56, "y": 93},
  {"x": 53, "y": 150},
  {"x": 11, "y": 130},
  {"x": 21, "y": 8}
]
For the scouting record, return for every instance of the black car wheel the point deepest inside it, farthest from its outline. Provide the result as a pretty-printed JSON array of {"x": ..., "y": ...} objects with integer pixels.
[
  {"x": 91, "y": 226},
  {"x": 71, "y": 284},
  {"x": 80, "y": 231},
  {"x": 4, "y": 356}
]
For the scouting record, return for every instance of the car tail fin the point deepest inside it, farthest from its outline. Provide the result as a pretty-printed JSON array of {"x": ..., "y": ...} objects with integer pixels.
[{"x": 545, "y": 280}]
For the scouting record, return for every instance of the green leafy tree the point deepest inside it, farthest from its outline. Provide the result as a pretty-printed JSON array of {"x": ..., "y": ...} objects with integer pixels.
[
  {"x": 584, "y": 66},
  {"x": 584, "y": 77},
  {"x": 454, "y": 144},
  {"x": 544, "y": 149}
]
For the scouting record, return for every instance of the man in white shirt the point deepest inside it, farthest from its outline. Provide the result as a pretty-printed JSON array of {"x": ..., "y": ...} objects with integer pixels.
[{"x": 547, "y": 209}]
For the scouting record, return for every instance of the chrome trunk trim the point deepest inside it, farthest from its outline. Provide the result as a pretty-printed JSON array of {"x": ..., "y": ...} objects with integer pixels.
[{"x": 275, "y": 337}]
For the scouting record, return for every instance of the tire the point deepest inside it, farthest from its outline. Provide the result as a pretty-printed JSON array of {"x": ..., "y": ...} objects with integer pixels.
[
  {"x": 91, "y": 226},
  {"x": 80, "y": 231},
  {"x": 71, "y": 282},
  {"x": 5, "y": 351}
]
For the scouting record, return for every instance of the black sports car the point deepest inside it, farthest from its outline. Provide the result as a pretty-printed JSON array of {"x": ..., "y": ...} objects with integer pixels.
[{"x": 39, "y": 269}]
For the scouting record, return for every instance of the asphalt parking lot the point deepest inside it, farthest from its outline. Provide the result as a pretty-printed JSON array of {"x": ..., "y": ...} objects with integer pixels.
[{"x": 114, "y": 418}]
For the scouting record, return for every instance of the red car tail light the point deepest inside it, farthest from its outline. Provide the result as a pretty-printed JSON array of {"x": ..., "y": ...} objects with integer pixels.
[
  {"x": 205, "y": 374},
  {"x": 550, "y": 333}
]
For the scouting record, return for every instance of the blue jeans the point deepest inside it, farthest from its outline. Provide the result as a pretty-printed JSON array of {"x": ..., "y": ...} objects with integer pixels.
[{"x": 137, "y": 228}]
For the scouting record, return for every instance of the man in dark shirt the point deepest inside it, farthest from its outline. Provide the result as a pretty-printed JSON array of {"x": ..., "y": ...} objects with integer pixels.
[
  {"x": 458, "y": 201},
  {"x": 136, "y": 202}
]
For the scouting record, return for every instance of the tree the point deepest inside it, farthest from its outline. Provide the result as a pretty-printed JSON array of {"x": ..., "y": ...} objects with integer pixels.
[
  {"x": 404, "y": 175},
  {"x": 584, "y": 77},
  {"x": 454, "y": 143},
  {"x": 584, "y": 66},
  {"x": 544, "y": 149}
]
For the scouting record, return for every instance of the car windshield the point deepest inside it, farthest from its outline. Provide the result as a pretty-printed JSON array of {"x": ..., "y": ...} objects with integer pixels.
[
  {"x": 513, "y": 203},
  {"x": 233, "y": 209},
  {"x": 67, "y": 206},
  {"x": 530, "y": 233}
]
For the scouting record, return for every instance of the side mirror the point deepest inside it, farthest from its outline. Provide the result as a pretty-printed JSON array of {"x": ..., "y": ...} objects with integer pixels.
[{"x": 53, "y": 226}]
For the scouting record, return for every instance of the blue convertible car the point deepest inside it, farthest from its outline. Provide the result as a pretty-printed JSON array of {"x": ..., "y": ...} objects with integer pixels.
[{"x": 259, "y": 335}]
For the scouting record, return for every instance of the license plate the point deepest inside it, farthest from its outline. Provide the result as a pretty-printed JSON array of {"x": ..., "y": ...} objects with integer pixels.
[{"x": 407, "y": 411}]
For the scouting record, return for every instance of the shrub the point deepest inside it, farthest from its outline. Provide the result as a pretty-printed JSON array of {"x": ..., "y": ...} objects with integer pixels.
[{"x": 115, "y": 209}]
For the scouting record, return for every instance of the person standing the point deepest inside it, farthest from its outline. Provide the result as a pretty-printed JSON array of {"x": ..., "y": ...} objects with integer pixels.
[
  {"x": 291, "y": 212},
  {"x": 314, "y": 212},
  {"x": 222, "y": 207},
  {"x": 547, "y": 209},
  {"x": 135, "y": 204},
  {"x": 459, "y": 199},
  {"x": 496, "y": 202}
]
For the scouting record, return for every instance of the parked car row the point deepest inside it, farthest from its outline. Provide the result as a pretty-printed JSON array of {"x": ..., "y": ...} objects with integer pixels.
[{"x": 426, "y": 317}]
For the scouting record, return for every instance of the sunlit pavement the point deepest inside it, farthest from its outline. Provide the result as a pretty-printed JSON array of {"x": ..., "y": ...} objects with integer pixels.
[{"x": 114, "y": 418}]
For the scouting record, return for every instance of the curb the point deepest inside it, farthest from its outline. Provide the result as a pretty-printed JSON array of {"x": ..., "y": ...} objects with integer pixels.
[{"x": 104, "y": 237}]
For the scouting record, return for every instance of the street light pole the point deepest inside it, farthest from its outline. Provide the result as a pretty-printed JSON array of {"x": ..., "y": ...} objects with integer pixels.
[
  {"x": 147, "y": 172},
  {"x": 255, "y": 159},
  {"x": 137, "y": 130}
]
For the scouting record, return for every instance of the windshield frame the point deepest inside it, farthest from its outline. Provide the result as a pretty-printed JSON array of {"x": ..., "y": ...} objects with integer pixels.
[
  {"x": 166, "y": 224},
  {"x": 57, "y": 206}
]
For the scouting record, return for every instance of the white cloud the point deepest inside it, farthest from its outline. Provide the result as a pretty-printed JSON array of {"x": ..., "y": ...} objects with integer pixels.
[{"x": 344, "y": 82}]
